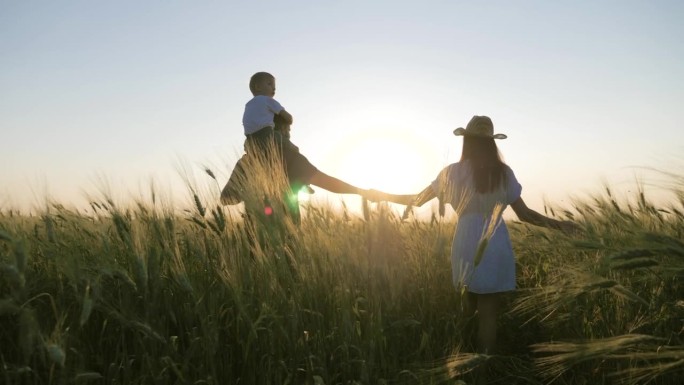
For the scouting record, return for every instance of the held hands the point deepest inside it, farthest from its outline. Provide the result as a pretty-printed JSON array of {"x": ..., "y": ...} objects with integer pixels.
[
  {"x": 374, "y": 195},
  {"x": 380, "y": 196}
]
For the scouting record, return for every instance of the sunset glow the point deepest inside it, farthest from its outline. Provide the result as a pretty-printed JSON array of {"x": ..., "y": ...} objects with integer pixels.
[{"x": 375, "y": 89}]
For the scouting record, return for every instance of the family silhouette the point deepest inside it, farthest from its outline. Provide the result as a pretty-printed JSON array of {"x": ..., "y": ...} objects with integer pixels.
[{"x": 479, "y": 187}]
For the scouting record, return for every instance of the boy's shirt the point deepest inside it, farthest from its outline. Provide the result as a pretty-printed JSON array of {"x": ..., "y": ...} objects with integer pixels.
[{"x": 259, "y": 113}]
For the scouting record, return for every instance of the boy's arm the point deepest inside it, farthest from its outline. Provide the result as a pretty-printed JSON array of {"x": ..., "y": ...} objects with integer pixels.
[{"x": 286, "y": 116}]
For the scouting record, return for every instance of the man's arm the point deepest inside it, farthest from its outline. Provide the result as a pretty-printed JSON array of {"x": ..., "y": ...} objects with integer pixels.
[{"x": 335, "y": 185}]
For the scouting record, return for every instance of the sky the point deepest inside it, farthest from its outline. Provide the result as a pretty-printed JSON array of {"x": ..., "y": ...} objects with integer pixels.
[{"x": 122, "y": 95}]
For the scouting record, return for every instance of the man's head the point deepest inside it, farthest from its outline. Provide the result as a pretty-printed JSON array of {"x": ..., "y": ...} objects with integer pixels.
[
  {"x": 281, "y": 126},
  {"x": 262, "y": 83}
]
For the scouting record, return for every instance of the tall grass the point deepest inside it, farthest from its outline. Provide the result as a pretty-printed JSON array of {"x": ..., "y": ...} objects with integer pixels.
[{"x": 148, "y": 293}]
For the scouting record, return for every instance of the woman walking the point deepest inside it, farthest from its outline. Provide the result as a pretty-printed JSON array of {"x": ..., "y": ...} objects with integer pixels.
[{"x": 479, "y": 187}]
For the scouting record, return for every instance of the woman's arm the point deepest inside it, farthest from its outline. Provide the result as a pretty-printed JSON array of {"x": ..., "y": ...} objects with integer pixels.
[
  {"x": 530, "y": 216},
  {"x": 424, "y": 196}
]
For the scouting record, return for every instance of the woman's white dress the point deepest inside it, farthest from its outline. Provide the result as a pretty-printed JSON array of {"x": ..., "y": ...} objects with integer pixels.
[{"x": 491, "y": 269}]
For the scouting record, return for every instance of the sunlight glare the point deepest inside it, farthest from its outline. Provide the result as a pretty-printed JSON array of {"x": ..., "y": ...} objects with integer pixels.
[{"x": 392, "y": 161}]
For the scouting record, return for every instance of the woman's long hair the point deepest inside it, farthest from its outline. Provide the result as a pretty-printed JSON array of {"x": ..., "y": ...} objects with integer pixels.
[{"x": 486, "y": 162}]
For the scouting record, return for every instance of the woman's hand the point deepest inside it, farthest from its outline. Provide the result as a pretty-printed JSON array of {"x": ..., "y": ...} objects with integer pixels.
[{"x": 569, "y": 227}]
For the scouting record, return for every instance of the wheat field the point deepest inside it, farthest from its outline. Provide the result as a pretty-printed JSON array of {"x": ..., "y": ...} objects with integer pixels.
[{"x": 146, "y": 292}]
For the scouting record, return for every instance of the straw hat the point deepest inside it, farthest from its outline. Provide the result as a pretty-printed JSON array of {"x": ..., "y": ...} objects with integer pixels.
[{"x": 479, "y": 126}]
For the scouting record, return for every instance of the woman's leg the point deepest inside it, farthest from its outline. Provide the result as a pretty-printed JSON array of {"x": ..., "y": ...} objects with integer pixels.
[
  {"x": 469, "y": 304},
  {"x": 469, "y": 320},
  {"x": 488, "y": 311}
]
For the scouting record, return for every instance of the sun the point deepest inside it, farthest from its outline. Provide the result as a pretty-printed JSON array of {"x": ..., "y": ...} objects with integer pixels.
[{"x": 391, "y": 161}]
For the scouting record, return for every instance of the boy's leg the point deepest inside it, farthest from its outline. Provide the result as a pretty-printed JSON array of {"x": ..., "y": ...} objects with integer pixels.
[{"x": 263, "y": 141}]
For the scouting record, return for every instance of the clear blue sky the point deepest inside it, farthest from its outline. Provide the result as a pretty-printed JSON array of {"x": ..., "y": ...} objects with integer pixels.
[{"x": 125, "y": 90}]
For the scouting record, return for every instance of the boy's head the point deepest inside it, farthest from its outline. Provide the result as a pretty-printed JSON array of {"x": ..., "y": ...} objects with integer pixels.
[{"x": 262, "y": 83}]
